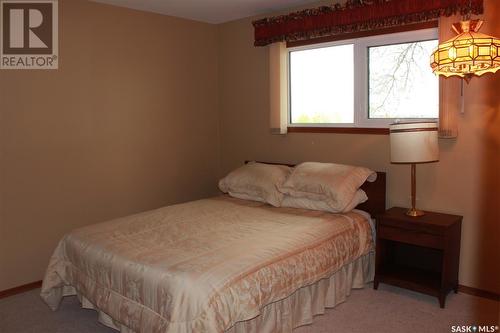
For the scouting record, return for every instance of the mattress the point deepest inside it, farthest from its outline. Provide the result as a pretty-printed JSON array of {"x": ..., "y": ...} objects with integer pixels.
[{"x": 202, "y": 266}]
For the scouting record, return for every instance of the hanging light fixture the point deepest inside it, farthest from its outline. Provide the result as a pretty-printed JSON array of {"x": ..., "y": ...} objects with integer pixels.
[{"x": 467, "y": 54}]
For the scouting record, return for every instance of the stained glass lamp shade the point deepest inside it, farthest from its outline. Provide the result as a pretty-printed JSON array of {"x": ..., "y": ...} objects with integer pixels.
[{"x": 467, "y": 54}]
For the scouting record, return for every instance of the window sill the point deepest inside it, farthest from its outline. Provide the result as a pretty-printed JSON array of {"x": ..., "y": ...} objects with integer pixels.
[{"x": 341, "y": 130}]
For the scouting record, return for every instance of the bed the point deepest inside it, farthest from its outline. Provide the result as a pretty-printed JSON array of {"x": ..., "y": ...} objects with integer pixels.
[{"x": 216, "y": 265}]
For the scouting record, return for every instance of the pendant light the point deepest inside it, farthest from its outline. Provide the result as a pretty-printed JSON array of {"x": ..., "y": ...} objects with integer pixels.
[{"x": 467, "y": 54}]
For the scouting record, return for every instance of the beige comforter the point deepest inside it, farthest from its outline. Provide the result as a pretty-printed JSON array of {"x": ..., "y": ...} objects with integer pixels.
[{"x": 201, "y": 266}]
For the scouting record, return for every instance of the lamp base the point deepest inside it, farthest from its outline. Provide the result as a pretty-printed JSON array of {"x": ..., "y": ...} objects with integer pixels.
[{"x": 414, "y": 212}]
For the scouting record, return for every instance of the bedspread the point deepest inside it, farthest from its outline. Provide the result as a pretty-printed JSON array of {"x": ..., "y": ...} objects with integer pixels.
[{"x": 202, "y": 266}]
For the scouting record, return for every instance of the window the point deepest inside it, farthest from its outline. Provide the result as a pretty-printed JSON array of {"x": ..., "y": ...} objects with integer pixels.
[
  {"x": 401, "y": 84},
  {"x": 365, "y": 82},
  {"x": 316, "y": 93}
]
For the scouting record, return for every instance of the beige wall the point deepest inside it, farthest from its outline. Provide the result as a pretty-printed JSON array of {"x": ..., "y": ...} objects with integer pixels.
[
  {"x": 465, "y": 181},
  {"x": 128, "y": 123}
]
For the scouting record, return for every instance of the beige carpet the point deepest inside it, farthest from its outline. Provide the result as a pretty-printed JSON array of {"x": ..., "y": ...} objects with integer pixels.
[{"x": 386, "y": 310}]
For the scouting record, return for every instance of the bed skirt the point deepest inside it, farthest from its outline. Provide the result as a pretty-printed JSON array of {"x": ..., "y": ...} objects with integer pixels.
[{"x": 289, "y": 313}]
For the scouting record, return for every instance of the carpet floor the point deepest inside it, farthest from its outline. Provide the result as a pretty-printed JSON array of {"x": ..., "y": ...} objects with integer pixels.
[{"x": 386, "y": 310}]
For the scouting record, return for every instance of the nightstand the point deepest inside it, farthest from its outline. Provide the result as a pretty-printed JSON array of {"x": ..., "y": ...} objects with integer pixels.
[{"x": 418, "y": 253}]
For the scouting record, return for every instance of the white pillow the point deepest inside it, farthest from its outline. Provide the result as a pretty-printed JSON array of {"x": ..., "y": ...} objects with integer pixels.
[
  {"x": 257, "y": 182},
  {"x": 305, "y": 203},
  {"x": 335, "y": 184}
]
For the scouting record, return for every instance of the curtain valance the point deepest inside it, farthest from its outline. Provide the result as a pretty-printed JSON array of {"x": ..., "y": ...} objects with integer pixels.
[{"x": 355, "y": 16}]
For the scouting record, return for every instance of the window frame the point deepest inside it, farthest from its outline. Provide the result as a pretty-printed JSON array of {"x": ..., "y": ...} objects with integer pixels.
[{"x": 362, "y": 122}]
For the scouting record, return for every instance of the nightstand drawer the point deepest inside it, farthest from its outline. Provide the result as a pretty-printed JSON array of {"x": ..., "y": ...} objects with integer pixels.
[{"x": 410, "y": 237}]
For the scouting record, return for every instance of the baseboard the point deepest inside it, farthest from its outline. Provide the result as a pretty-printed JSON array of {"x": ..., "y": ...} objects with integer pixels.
[
  {"x": 479, "y": 292},
  {"x": 461, "y": 288},
  {"x": 20, "y": 289}
]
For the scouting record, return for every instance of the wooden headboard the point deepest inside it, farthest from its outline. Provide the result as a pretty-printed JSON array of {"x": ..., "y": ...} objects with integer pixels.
[{"x": 375, "y": 191}]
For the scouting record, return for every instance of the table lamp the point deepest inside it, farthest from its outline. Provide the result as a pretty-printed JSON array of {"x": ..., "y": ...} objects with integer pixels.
[{"x": 412, "y": 143}]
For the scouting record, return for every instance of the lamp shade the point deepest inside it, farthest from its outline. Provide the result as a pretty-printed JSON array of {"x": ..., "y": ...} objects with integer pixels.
[
  {"x": 467, "y": 54},
  {"x": 415, "y": 142}
]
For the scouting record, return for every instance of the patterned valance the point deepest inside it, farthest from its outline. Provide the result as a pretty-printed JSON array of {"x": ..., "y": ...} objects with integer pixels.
[{"x": 355, "y": 16}]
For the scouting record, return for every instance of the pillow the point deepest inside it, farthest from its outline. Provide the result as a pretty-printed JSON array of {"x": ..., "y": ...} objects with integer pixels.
[
  {"x": 305, "y": 203},
  {"x": 359, "y": 197},
  {"x": 335, "y": 184},
  {"x": 257, "y": 182}
]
